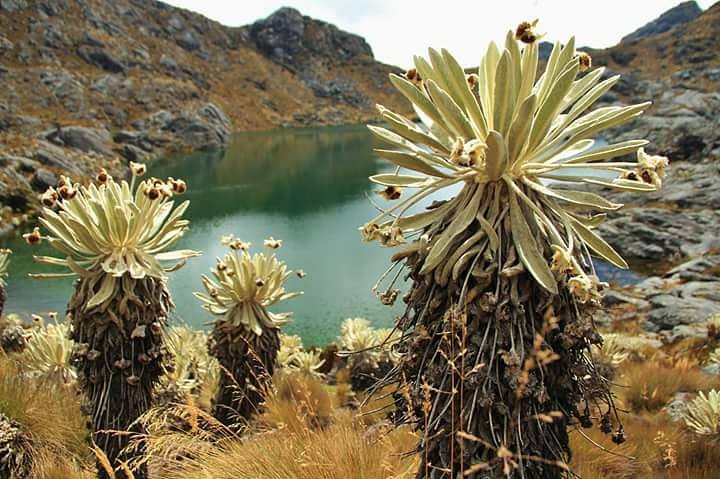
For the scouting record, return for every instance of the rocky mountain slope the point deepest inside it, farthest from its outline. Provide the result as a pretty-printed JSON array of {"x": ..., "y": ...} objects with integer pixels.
[
  {"x": 93, "y": 83},
  {"x": 674, "y": 232},
  {"x": 85, "y": 81},
  {"x": 678, "y": 15}
]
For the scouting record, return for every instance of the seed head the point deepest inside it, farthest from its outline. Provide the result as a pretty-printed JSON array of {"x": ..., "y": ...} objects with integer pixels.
[
  {"x": 67, "y": 192},
  {"x": 272, "y": 243},
  {"x": 300, "y": 273},
  {"x": 525, "y": 32},
  {"x": 585, "y": 61},
  {"x": 413, "y": 76},
  {"x": 138, "y": 169},
  {"x": 49, "y": 198},
  {"x": 102, "y": 178},
  {"x": 33, "y": 238},
  {"x": 390, "y": 193},
  {"x": 178, "y": 186}
]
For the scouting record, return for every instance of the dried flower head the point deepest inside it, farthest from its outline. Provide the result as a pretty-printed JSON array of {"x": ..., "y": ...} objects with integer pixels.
[
  {"x": 241, "y": 293},
  {"x": 525, "y": 32},
  {"x": 586, "y": 288},
  {"x": 413, "y": 76},
  {"x": 102, "y": 177},
  {"x": 67, "y": 192},
  {"x": 391, "y": 193},
  {"x": 651, "y": 168},
  {"x": 49, "y": 198},
  {"x": 138, "y": 169},
  {"x": 272, "y": 243},
  {"x": 34, "y": 237},
  {"x": 562, "y": 261},
  {"x": 585, "y": 61}
]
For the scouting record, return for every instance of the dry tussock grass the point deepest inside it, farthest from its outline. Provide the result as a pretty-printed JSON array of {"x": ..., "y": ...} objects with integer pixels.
[
  {"x": 50, "y": 414},
  {"x": 648, "y": 386},
  {"x": 303, "y": 434},
  {"x": 656, "y": 448}
]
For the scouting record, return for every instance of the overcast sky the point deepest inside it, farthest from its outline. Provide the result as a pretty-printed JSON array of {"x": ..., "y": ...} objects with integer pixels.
[{"x": 398, "y": 29}]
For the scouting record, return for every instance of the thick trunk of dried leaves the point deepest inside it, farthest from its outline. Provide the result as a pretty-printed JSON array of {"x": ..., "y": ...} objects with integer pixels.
[
  {"x": 3, "y": 298},
  {"x": 15, "y": 450},
  {"x": 494, "y": 366},
  {"x": 248, "y": 363},
  {"x": 119, "y": 359}
]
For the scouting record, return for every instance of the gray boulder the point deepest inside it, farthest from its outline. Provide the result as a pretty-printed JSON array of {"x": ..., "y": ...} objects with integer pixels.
[
  {"x": 43, "y": 179},
  {"x": 86, "y": 139},
  {"x": 102, "y": 58},
  {"x": 205, "y": 127}
]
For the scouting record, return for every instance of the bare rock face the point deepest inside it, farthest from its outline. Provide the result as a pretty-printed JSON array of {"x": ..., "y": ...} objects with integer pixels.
[
  {"x": 300, "y": 42},
  {"x": 678, "y": 15}
]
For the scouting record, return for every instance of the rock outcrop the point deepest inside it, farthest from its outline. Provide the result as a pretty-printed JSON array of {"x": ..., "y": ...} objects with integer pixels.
[
  {"x": 678, "y": 15},
  {"x": 89, "y": 81}
]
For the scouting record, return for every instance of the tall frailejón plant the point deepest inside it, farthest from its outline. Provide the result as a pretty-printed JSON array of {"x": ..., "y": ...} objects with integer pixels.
[
  {"x": 495, "y": 351},
  {"x": 114, "y": 237},
  {"x": 4, "y": 262},
  {"x": 245, "y": 337}
]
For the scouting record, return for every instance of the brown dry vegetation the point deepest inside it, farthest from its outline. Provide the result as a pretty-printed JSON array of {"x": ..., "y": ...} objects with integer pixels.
[
  {"x": 311, "y": 430},
  {"x": 50, "y": 415}
]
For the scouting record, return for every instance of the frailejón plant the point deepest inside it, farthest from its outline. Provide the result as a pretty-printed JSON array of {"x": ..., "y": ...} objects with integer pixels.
[
  {"x": 114, "y": 237},
  {"x": 495, "y": 350},
  {"x": 245, "y": 337}
]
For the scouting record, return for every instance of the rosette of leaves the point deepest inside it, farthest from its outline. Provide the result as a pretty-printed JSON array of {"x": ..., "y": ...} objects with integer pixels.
[
  {"x": 115, "y": 237},
  {"x": 498, "y": 327},
  {"x": 702, "y": 414},
  {"x": 245, "y": 337},
  {"x": 48, "y": 353},
  {"x": 4, "y": 263},
  {"x": 192, "y": 367},
  {"x": 368, "y": 351},
  {"x": 290, "y": 345},
  {"x": 307, "y": 363}
]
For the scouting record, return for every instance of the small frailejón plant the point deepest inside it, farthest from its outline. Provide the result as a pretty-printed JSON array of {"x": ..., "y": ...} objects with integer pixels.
[
  {"x": 48, "y": 353},
  {"x": 496, "y": 339},
  {"x": 114, "y": 237},
  {"x": 4, "y": 263},
  {"x": 702, "y": 415},
  {"x": 192, "y": 368},
  {"x": 245, "y": 339}
]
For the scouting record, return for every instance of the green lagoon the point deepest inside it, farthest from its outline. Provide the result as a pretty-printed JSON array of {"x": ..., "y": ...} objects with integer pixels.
[{"x": 308, "y": 187}]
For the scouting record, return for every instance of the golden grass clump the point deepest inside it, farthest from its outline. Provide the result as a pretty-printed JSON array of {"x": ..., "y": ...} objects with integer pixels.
[
  {"x": 287, "y": 442},
  {"x": 649, "y": 386},
  {"x": 656, "y": 448},
  {"x": 50, "y": 415}
]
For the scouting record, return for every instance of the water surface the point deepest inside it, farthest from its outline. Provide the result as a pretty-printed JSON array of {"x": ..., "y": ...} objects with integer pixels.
[{"x": 307, "y": 187}]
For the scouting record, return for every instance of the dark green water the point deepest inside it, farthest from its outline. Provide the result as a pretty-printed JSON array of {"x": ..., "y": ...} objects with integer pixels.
[{"x": 308, "y": 187}]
